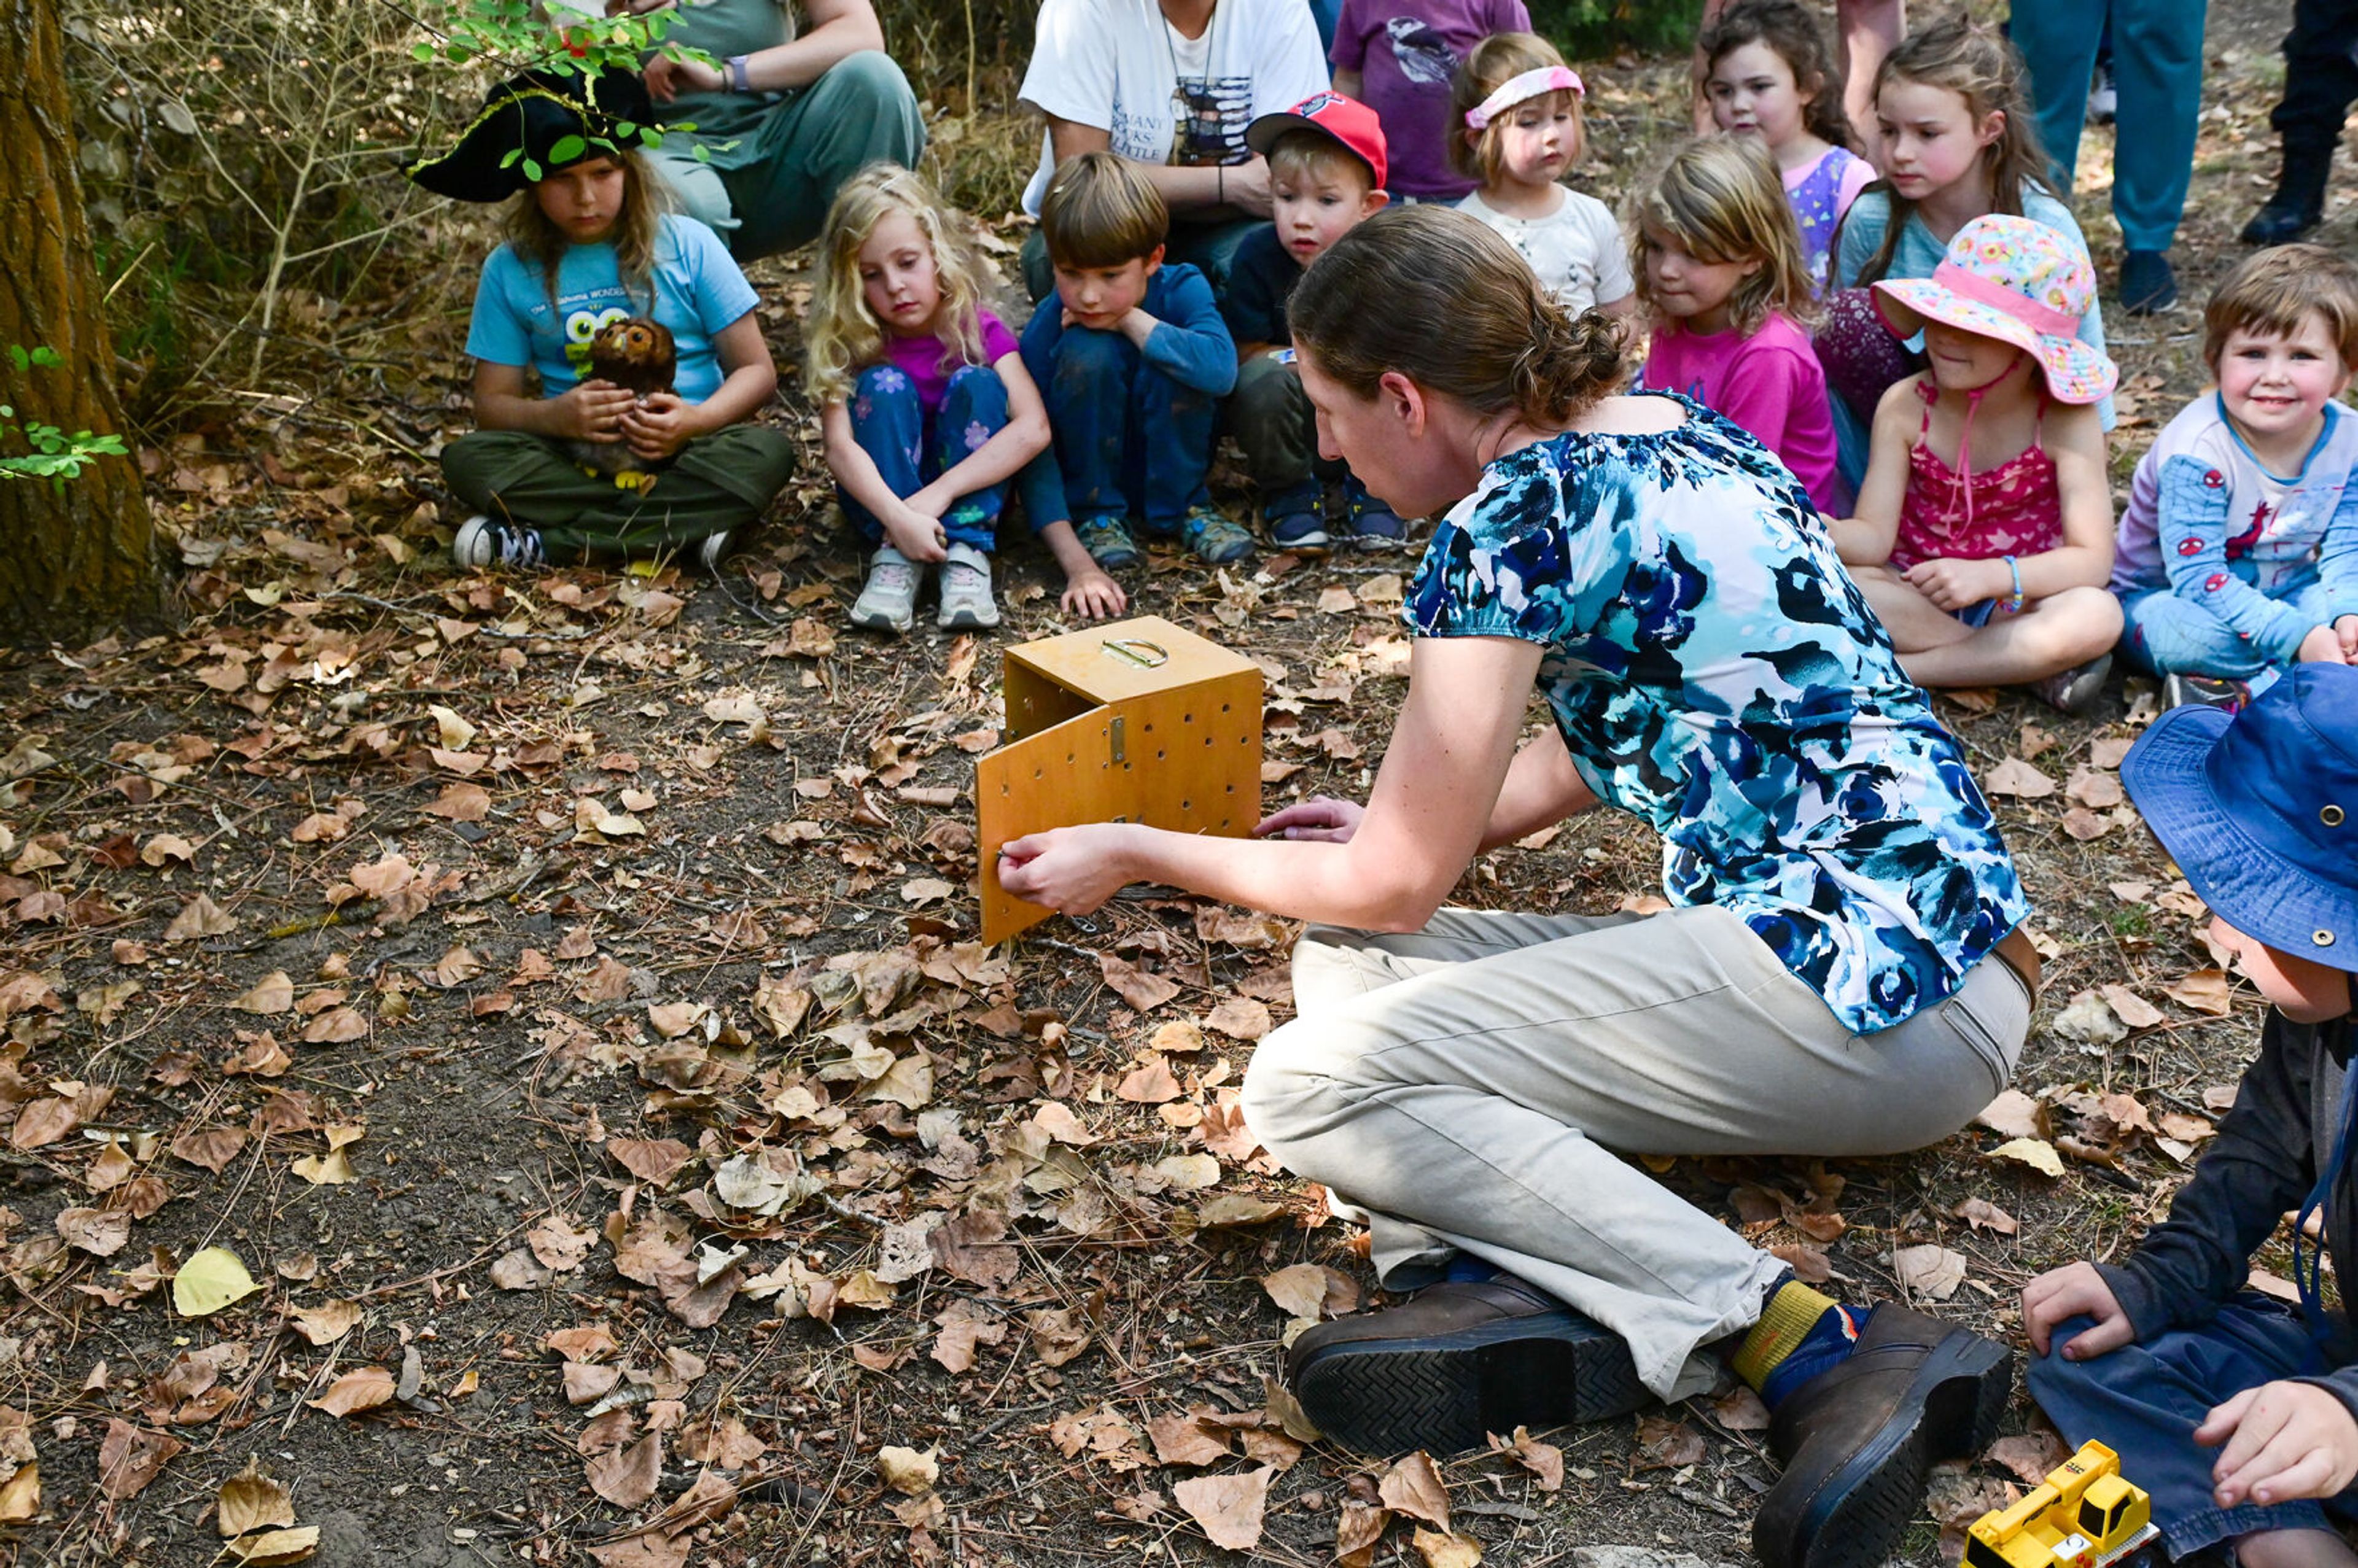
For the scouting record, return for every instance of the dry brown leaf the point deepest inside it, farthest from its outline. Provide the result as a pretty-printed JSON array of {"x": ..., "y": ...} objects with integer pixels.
[
  {"x": 651, "y": 1549},
  {"x": 1187, "y": 1439},
  {"x": 360, "y": 1390},
  {"x": 1357, "y": 1532},
  {"x": 653, "y": 1161},
  {"x": 212, "y": 1149},
  {"x": 1664, "y": 1443},
  {"x": 2029, "y": 1456},
  {"x": 1240, "y": 1018},
  {"x": 1930, "y": 1271},
  {"x": 965, "y": 1325},
  {"x": 328, "y": 1321},
  {"x": 627, "y": 1477},
  {"x": 1299, "y": 1290},
  {"x": 201, "y": 917},
  {"x": 907, "y": 1471},
  {"x": 2012, "y": 1115},
  {"x": 1229, "y": 1508},
  {"x": 2132, "y": 1009},
  {"x": 2019, "y": 779},
  {"x": 1544, "y": 1460},
  {"x": 1441, "y": 1551},
  {"x": 973, "y": 1247},
  {"x": 251, "y": 1500},
  {"x": 1413, "y": 1486},
  {"x": 1982, "y": 1214},
  {"x": 2204, "y": 991},
  {"x": 1142, "y": 990},
  {"x": 1148, "y": 1083},
  {"x": 1740, "y": 1410},
  {"x": 129, "y": 1459},
  {"x": 274, "y": 993},
  {"x": 101, "y": 1233},
  {"x": 2035, "y": 1153}
]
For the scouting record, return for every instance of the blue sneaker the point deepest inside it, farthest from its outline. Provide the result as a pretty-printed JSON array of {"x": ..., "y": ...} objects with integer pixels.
[
  {"x": 1374, "y": 526},
  {"x": 1107, "y": 540},
  {"x": 1213, "y": 537},
  {"x": 1296, "y": 520}
]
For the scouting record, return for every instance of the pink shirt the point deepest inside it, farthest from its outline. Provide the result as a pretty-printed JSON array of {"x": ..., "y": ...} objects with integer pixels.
[
  {"x": 1770, "y": 383},
  {"x": 930, "y": 362}
]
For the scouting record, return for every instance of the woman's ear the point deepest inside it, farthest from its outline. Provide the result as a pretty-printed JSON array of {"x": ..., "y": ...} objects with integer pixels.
[{"x": 1404, "y": 400}]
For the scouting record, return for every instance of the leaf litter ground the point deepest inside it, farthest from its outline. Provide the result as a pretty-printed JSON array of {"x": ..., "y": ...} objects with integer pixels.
[{"x": 501, "y": 1069}]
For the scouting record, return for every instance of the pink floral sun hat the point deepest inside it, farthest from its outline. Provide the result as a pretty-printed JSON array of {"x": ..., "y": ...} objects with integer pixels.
[{"x": 2019, "y": 282}]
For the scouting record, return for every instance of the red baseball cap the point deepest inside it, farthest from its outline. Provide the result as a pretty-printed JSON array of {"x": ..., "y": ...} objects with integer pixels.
[{"x": 1347, "y": 120}]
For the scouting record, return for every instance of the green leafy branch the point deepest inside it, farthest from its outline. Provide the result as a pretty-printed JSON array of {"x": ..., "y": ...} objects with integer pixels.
[{"x": 56, "y": 455}]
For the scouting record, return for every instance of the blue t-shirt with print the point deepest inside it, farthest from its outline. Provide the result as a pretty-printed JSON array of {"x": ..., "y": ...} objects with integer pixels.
[
  {"x": 1714, "y": 671},
  {"x": 698, "y": 292}
]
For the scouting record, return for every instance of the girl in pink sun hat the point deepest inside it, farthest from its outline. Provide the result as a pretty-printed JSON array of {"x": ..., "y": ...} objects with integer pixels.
[{"x": 1983, "y": 530}]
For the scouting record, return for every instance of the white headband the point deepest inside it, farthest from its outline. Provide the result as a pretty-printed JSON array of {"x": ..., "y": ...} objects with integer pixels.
[{"x": 1531, "y": 84}]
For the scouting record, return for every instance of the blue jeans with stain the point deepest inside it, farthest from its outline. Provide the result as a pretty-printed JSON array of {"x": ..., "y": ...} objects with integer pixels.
[
  {"x": 2144, "y": 1401},
  {"x": 912, "y": 448},
  {"x": 1130, "y": 439}
]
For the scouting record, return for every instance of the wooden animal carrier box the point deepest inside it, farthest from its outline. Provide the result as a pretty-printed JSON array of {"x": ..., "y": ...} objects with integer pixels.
[{"x": 1136, "y": 721}]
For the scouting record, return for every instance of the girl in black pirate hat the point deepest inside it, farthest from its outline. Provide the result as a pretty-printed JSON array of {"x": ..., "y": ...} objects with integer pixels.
[{"x": 589, "y": 246}]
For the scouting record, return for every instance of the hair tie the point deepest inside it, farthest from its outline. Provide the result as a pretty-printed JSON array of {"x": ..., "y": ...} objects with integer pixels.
[{"x": 1521, "y": 89}]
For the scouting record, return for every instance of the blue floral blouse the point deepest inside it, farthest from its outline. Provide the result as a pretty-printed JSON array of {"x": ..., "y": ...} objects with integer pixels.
[{"x": 1715, "y": 672}]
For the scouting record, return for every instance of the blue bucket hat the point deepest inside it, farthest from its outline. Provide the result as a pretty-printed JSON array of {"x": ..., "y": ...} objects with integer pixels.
[{"x": 2260, "y": 809}]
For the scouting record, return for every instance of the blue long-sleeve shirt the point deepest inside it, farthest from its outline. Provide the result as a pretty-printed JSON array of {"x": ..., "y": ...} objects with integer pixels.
[{"x": 1190, "y": 343}]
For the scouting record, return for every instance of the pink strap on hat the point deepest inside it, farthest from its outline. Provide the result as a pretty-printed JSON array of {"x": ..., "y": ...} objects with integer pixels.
[
  {"x": 2044, "y": 320},
  {"x": 1520, "y": 89}
]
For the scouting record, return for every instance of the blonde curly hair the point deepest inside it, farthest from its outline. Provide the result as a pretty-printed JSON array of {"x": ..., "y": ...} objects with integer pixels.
[{"x": 842, "y": 335}]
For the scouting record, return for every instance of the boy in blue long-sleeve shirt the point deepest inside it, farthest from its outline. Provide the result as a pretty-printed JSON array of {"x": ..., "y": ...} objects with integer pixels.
[{"x": 1133, "y": 359}]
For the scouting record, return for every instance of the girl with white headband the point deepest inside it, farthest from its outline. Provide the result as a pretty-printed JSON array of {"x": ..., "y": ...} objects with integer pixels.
[{"x": 1515, "y": 109}]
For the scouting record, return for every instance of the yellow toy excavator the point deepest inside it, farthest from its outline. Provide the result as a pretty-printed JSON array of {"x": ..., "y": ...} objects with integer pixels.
[{"x": 2084, "y": 1515}]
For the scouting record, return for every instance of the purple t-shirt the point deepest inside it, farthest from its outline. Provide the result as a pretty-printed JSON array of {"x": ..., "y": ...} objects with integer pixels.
[
  {"x": 1405, "y": 52},
  {"x": 1770, "y": 383},
  {"x": 930, "y": 362}
]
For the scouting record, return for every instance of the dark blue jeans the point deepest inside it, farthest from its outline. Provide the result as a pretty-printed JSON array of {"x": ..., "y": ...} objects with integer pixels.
[
  {"x": 2144, "y": 1401},
  {"x": 912, "y": 449},
  {"x": 1129, "y": 438}
]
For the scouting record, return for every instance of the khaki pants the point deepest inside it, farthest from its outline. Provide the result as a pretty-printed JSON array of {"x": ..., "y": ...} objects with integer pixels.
[{"x": 1463, "y": 1083}]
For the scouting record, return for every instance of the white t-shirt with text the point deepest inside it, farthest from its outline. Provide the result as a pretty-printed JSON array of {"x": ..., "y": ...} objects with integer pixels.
[{"x": 1120, "y": 65}]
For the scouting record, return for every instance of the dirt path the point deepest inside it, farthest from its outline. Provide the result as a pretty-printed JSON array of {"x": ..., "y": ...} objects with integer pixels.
[{"x": 560, "y": 996}]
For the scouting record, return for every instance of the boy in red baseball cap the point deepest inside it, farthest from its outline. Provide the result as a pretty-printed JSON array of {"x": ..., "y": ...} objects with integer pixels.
[{"x": 1326, "y": 167}]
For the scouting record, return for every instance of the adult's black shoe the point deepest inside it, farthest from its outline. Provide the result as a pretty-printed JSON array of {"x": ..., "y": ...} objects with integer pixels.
[
  {"x": 2299, "y": 204},
  {"x": 1859, "y": 1439},
  {"x": 2148, "y": 285},
  {"x": 1455, "y": 1361}
]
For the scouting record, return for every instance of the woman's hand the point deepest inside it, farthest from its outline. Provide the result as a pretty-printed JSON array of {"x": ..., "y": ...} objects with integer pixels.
[
  {"x": 916, "y": 535},
  {"x": 1954, "y": 585},
  {"x": 2283, "y": 1441},
  {"x": 1072, "y": 870},
  {"x": 1320, "y": 820},
  {"x": 592, "y": 411},
  {"x": 658, "y": 424},
  {"x": 667, "y": 77},
  {"x": 1092, "y": 595},
  {"x": 2075, "y": 1289}
]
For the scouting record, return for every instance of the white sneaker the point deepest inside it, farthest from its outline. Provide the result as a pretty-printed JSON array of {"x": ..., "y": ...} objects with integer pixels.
[
  {"x": 713, "y": 548},
  {"x": 966, "y": 604},
  {"x": 481, "y": 542},
  {"x": 889, "y": 602}
]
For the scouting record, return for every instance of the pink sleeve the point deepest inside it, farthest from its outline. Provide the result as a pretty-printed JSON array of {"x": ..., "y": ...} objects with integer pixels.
[{"x": 1756, "y": 389}]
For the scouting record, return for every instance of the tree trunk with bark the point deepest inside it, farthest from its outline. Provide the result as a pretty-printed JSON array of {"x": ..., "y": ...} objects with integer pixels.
[{"x": 80, "y": 558}]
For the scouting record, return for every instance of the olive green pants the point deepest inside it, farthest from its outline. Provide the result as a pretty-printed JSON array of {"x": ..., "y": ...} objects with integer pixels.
[{"x": 726, "y": 480}]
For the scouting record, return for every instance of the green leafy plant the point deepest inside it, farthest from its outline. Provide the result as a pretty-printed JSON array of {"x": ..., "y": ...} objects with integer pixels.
[{"x": 56, "y": 455}]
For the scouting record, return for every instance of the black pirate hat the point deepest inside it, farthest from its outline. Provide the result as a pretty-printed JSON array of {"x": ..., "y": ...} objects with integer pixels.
[{"x": 536, "y": 122}]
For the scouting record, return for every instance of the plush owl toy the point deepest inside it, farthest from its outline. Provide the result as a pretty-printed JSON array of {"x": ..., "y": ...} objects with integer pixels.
[{"x": 637, "y": 355}]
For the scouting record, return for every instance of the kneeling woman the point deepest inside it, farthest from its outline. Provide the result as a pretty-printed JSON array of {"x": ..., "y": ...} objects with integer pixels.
[{"x": 1841, "y": 974}]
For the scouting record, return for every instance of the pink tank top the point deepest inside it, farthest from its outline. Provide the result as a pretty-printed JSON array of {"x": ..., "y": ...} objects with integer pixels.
[{"x": 2014, "y": 509}]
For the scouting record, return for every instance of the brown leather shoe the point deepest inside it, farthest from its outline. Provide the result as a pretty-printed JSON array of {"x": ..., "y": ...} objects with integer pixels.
[
  {"x": 1858, "y": 1440},
  {"x": 1457, "y": 1360}
]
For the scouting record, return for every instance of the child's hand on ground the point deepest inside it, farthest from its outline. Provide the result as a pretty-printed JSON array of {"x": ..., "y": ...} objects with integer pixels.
[
  {"x": 2075, "y": 1289},
  {"x": 916, "y": 535},
  {"x": 1954, "y": 585},
  {"x": 1093, "y": 596},
  {"x": 658, "y": 424},
  {"x": 2323, "y": 646},
  {"x": 1321, "y": 820},
  {"x": 2283, "y": 1441},
  {"x": 592, "y": 411}
]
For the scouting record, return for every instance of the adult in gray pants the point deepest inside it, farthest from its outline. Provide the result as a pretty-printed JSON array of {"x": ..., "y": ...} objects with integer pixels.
[{"x": 1838, "y": 975}]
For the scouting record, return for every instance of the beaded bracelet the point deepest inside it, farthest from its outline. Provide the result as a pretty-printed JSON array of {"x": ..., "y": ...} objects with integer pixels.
[{"x": 2012, "y": 603}]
